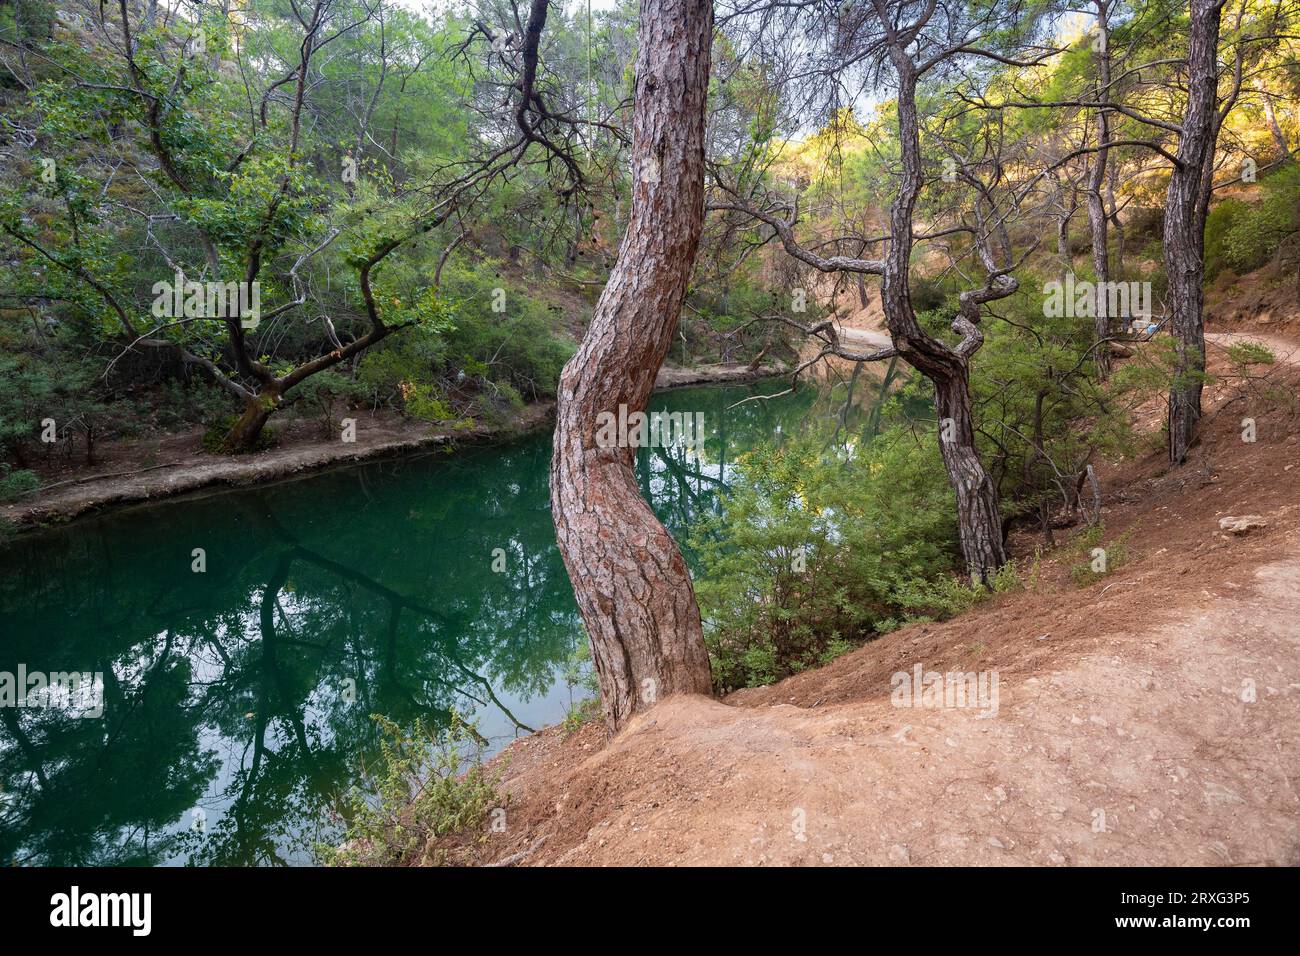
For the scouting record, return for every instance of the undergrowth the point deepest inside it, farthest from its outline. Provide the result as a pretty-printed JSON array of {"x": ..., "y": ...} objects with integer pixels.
[{"x": 426, "y": 784}]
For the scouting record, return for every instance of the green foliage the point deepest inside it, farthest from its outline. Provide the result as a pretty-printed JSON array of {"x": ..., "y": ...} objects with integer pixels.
[
  {"x": 425, "y": 784},
  {"x": 1041, "y": 415},
  {"x": 319, "y": 396},
  {"x": 1244, "y": 236},
  {"x": 1242, "y": 355},
  {"x": 215, "y": 438},
  {"x": 16, "y": 483},
  {"x": 181, "y": 402},
  {"x": 815, "y": 552},
  {"x": 518, "y": 346},
  {"x": 473, "y": 358},
  {"x": 578, "y": 673},
  {"x": 27, "y": 387},
  {"x": 1102, "y": 559}
]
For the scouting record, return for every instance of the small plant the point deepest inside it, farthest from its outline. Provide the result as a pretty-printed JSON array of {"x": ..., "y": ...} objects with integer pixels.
[
  {"x": 320, "y": 396},
  {"x": 1102, "y": 560},
  {"x": 426, "y": 784},
  {"x": 1242, "y": 355},
  {"x": 578, "y": 673},
  {"x": 1007, "y": 579},
  {"x": 15, "y": 483},
  {"x": 1035, "y": 571}
]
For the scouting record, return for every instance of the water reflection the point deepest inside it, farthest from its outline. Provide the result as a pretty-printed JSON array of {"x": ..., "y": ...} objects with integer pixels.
[{"x": 237, "y": 700}]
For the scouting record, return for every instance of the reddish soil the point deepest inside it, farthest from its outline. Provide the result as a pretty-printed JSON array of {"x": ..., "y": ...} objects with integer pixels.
[
  {"x": 1149, "y": 717},
  {"x": 1266, "y": 301}
]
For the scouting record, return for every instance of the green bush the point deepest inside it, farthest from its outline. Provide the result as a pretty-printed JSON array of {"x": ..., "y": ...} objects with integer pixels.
[
  {"x": 816, "y": 552},
  {"x": 485, "y": 362},
  {"x": 1244, "y": 236},
  {"x": 214, "y": 439},
  {"x": 520, "y": 346},
  {"x": 1101, "y": 560},
  {"x": 426, "y": 784},
  {"x": 1242, "y": 355},
  {"x": 180, "y": 403},
  {"x": 319, "y": 396},
  {"x": 15, "y": 483}
]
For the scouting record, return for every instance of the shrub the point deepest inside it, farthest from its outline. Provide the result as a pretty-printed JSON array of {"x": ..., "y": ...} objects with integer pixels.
[
  {"x": 1243, "y": 236},
  {"x": 1242, "y": 355},
  {"x": 418, "y": 791},
  {"x": 318, "y": 396},
  {"x": 15, "y": 483},
  {"x": 1101, "y": 559},
  {"x": 815, "y": 552},
  {"x": 519, "y": 347},
  {"x": 214, "y": 439}
]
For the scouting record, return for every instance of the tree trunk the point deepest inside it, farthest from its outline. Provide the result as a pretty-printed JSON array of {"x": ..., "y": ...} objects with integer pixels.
[
  {"x": 1184, "y": 234},
  {"x": 1270, "y": 114},
  {"x": 978, "y": 521},
  {"x": 629, "y": 578},
  {"x": 1112, "y": 213},
  {"x": 979, "y": 524},
  {"x": 1063, "y": 242},
  {"x": 243, "y": 435},
  {"x": 1096, "y": 205}
]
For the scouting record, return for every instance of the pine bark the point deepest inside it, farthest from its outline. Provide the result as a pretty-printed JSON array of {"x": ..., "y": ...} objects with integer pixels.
[
  {"x": 979, "y": 522},
  {"x": 1186, "y": 205},
  {"x": 632, "y": 586}
]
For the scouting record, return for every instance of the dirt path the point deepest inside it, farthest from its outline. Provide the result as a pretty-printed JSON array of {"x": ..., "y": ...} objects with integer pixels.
[
  {"x": 1141, "y": 751},
  {"x": 1151, "y": 717},
  {"x": 1285, "y": 351},
  {"x": 864, "y": 339},
  {"x": 1147, "y": 748}
]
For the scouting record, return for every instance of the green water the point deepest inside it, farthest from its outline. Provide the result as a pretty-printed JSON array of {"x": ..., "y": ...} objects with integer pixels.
[{"x": 236, "y": 701}]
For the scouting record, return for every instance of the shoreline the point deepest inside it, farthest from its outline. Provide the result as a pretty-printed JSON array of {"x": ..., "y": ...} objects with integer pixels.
[{"x": 67, "y": 500}]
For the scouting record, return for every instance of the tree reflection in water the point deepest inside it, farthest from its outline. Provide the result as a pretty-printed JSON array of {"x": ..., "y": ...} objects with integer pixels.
[{"x": 238, "y": 700}]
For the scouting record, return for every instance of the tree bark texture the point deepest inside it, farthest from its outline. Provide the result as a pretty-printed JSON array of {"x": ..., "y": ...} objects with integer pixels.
[
  {"x": 630, "y": 580},
  {"x": 1184, "y": 234},
  {"x": 979, "y": 523}
]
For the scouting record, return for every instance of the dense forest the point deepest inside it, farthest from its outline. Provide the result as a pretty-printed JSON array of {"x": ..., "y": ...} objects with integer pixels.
[{"x": 249, "y": 221}]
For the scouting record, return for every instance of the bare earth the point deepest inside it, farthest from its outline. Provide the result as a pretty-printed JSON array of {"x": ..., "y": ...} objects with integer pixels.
[
  {"x": 164, "y": 466},
  {"x": 1152, "y": 717},
  {"x": 150, "y": 468}
]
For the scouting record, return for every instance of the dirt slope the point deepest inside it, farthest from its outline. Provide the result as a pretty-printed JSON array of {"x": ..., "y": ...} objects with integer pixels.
[{"x": 1152, "y": 717}]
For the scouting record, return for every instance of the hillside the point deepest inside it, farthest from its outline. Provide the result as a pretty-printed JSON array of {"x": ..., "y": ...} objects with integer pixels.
[{"x": 1121, "y": 734}]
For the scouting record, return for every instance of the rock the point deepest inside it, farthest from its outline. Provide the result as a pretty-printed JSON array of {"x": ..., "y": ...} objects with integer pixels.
[
  {"x": 899, "y": 853},
  {"x": 1241, "y": 525}
]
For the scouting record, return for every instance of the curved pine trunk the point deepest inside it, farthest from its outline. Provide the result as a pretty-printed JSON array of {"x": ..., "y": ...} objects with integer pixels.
[
  {"x": 979, "y": 521},
  {"x": 631, "y": 583}
]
